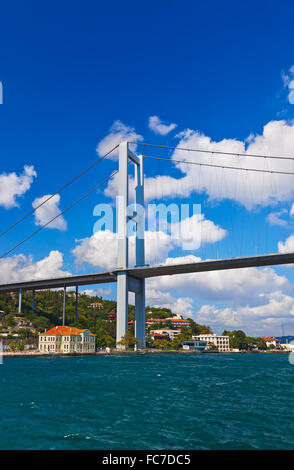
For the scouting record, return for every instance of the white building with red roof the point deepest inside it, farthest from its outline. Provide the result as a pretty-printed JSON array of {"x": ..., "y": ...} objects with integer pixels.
[
  {"x": 174, "y": 322},
  {"x": 67, "y": 339},
  {"x": 171, "y": 333},
  {"x": 271, "y": 341}
]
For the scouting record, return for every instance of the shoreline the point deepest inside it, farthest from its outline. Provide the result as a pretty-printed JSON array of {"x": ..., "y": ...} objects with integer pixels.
[{"x": 132, "y": 353}]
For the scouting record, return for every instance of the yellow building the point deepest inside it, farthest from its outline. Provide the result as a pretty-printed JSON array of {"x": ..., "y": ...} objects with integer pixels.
[{"x": 67, "y": 339}]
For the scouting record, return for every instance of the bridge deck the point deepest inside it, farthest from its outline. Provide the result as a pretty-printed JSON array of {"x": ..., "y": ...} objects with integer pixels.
[{"x": 152, "y": 271}]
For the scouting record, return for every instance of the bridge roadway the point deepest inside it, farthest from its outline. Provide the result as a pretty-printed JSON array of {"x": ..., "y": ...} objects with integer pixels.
[{"x": 151, "y": 271}]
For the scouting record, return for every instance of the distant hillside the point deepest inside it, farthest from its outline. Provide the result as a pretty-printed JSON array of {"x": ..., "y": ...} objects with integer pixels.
[{"x": 48, "y": 313}]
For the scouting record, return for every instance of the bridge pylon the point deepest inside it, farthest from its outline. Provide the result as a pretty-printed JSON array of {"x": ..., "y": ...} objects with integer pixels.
[{"x": 136, "y": 213}]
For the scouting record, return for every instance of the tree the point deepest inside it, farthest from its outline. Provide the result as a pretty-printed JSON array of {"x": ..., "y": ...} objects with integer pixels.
[
  {"x": 261, "y": 344},
  {"x": 41, "y": 323},
  {"x": 186, "y": 333},
  {"x": 237, "y": 339},
  {"x": 26, "y": 333},
  {"x": 129, "y": 340},
  {"x": 176, "y": 343},
  {"x": 20, "y": 345},
  {"x": 205, "y": 330},
  {"x": 10, "y": 321},
  {"x": 212, "y": 347},
  {"x": 13, "y": 346},
  {"x": 109, "y": 341},
  {"x": 161, "y": 344}
]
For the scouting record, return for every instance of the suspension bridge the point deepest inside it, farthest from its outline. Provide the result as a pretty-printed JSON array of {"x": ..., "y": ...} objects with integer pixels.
[{"x": 132, "y": 279}]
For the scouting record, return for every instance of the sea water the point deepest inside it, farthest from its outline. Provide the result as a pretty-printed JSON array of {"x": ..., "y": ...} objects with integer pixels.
[{"x": 176, "y": 401}]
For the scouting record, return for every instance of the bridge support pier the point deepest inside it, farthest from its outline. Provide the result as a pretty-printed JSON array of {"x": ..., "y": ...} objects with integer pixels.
[
  {"x": 19, "y": 300},
  {"x": 63, "y": 306},
  {"x": 140, "y": 315},
  {"x": 122, "y": 307},
  {"x": 76, "y": 303},
  {"x": 126, "y": 283},
  {"x": 33, "y": 301}
]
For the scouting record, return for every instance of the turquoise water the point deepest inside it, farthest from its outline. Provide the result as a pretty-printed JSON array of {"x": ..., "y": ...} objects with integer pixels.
[{"x": 208, "y": 401}]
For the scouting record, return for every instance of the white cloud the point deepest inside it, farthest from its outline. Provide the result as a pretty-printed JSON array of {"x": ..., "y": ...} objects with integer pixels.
[
  {"x": 158, "y": 126},
  {"x": 265, "y": 319},
  {"x": 13, "y": 186},
  {"x": 117, "y": 133},
  {"x": 287, "y": 246},
  {"x": 288, "y": 81},
  {"x": 196, "y": 230},
  {"x": 158, "y": 244},
  {"x": 159, "y": 299},
  {"x": 250, "y": 189},
  {"x": 98, "y": 291},
  {"x": 21, "y": 268},
  {"x": 100, "y": 250},
  {"x": 242, "y": 286},
  {"x": 104, "y": 292},
  {"x": 274, "y": 218},
  {"x": 49, "y": 210}
]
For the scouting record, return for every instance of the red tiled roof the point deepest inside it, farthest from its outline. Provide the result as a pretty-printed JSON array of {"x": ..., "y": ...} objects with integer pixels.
[
  {"x": 64, "y": 330},
  {"x": 268, "y": 338},
  {"x": 167, "y": 319},
  {"x": 178, "y": 319}
]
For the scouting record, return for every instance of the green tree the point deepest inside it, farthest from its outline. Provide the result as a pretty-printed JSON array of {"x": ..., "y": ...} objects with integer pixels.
[
  {"x": 10, "y": 321},
  {"x": 129, "y": 340},
  {"x": 186, "y": 334},
  {"x": 41, "y": 323},
  {"x": 261, "y": 344},
  {"x": 237, "y": 339},
  {"x": 20, "y": 345},
  {"x": 176, "y": 343},
  {"x": 26, "y": 333},
  {"x": 109, "y": 341},
  {"x": 205, "y": 330},
  {"x": 13, "y": 345},
  {"x": 161, "y": 344}
]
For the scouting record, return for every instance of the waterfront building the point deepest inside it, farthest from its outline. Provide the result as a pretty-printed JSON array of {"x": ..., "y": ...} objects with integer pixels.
[
  {"x": 172, "y": 334},
  {"x": 155, "y": 336},
  {"x": 111, "y": 315},
  {"x": 194, "y": 345},
  {"x": 269, "y": 341},
  {"x": 98, "y": 305},
  {"x": 221, "y": 342},
  {"x": 287, "y": 346},
  {"x": 173, "y": 322},
  {"x": 67, "y": 339},
  {"x": 23, "y": 323}
]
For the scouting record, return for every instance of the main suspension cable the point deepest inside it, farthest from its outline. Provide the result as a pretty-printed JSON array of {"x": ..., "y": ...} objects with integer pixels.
[
  {"x": 217, "y": 152},
  {"x": 217, "y": 166},
  {"x": 58, "y": 215},
  {"x": 58, "y": 191}
]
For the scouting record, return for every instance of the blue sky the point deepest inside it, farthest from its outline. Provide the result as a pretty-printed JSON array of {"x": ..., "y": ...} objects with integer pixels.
[{"x": 71, "y": 69}]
